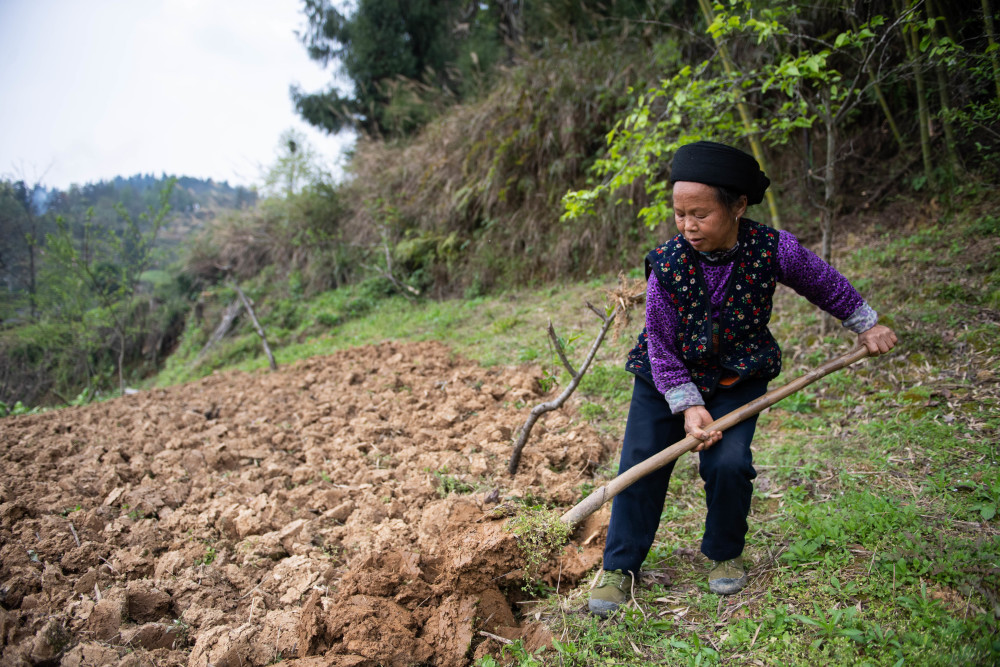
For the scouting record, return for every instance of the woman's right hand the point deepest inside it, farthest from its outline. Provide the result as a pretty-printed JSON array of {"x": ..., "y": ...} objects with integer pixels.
[
  {"x": 696, "y": 418},
  {"x": 879, "y": 339}
]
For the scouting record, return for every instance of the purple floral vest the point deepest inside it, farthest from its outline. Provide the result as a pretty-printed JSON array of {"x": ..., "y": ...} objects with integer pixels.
[{"x": 739, "y": 343}]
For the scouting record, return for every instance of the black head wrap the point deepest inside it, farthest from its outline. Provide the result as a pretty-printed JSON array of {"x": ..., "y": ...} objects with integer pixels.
[{"x": 717, "y": 164}]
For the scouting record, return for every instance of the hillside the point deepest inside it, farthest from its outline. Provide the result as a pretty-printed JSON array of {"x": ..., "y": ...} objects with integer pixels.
[
  {"x": 505, "y": 149},
  {"x": 334, "y": 512},
  {"x": 68, "y": 260}
]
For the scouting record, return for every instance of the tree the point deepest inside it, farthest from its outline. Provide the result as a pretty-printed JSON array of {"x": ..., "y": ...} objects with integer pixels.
[
  {"x": 798, "y": 82},
  {"x": 814, "y": 89},
  {"x": 21, "y": 215},
  {"x": 297, "y": 166},
  {"x": 109, "y": 264},
  {"x": 389, "y": 49},
  {"x": 406, "y": 60}
]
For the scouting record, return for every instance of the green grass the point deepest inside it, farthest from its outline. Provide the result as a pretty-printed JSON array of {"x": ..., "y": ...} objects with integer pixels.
[
  {"x": 863, "y": 558},
  {"x": 448, "y": 484},
  {"x": 874, "y": 536},
  {"x": 507, "y": 328}
]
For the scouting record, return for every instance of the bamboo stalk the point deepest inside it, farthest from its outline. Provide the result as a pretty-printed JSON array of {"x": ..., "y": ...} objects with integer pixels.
[
  {"x": 882, "y": 102},
  {"x": 954, "y": 163},
  {"x": 755, "y": 145},
  {"x": 886, "y": 110},
  {"x": 829, "y": 182},
  {"x": 595, "y": 500},
  {"x": 913, "y": 54},
  {"x": 991, "y": 40}
]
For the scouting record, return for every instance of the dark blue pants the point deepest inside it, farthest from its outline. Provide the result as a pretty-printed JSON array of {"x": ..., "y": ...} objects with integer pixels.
[{"x": 726, "y": 468}]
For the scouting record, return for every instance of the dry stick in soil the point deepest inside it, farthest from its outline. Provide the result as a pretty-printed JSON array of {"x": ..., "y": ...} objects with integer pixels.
[
  {"x": 260, "y": 330},
  {"x": 542, "y": 408},
  {"x": 228, "y": 317},
  {"x": 389, "y": 274},
  {"x": 595, "y": 500}
]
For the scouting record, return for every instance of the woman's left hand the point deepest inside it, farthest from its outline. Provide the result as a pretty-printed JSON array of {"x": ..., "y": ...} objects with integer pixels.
[{"x": 879, "y": 339}]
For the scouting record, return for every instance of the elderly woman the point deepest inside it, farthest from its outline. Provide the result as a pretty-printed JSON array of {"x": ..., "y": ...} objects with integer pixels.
[{"x": 706, "y": 350}]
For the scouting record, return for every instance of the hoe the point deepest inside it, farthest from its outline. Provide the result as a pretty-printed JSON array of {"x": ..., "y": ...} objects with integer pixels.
[{"x": 595, "y": 500}]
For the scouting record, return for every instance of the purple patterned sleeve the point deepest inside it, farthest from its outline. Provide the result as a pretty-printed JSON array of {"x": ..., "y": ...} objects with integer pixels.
[
  {"x": 661, "y": 328},
  {"x": 684, "y": 396},
  {"x": 810, "y": 276},
  {"x": 863, "y": 319}
]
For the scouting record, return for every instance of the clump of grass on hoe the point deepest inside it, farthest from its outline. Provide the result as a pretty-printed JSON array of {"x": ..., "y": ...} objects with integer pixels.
[{"x": 540, "y": 532}]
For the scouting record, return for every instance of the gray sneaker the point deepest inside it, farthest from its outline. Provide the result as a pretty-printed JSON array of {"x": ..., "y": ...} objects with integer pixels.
[
  {"x": 612, "y": 593},
  {"x": 727, "y": 576}
]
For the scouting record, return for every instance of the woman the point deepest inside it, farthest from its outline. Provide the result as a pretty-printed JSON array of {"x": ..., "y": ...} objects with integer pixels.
[{"x": 706, "y": 350}]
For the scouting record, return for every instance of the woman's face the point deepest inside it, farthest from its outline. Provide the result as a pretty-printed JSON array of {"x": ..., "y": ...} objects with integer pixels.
[{"x": 705, "y": 222}]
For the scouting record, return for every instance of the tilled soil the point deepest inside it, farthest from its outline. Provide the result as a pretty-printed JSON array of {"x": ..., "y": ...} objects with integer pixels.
[{"x": 331, "y": 513}]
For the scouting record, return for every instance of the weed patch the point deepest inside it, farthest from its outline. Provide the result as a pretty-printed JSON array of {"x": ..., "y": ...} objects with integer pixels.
[{"x": 540, "y": 533}]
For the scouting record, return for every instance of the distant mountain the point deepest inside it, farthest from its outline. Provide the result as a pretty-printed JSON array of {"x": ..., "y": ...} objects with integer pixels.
[{"x": 194, "y": 202}]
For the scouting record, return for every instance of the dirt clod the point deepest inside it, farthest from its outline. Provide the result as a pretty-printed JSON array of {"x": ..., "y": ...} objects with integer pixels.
[{"x": 331, "y": 513}]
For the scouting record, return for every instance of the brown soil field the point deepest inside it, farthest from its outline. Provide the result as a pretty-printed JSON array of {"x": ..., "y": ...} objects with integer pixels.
[{"x": 334, "y": 512}]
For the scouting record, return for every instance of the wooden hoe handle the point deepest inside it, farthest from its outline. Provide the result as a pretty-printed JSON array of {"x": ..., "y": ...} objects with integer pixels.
[{"x": 593, "y": 502}]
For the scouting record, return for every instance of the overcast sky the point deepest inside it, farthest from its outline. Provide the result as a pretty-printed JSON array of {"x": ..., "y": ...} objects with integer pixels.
[{"x": 92, "y": 89}]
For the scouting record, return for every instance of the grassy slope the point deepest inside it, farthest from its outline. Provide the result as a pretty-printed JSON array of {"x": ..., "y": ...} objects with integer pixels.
[{"x": 873, "y": 531}]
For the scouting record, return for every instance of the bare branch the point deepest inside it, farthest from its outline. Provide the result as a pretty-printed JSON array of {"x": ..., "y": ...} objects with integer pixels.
[
  {"x": 542, "y": 408},
  {"x": 560, "y": 350},
  {"x": 598, "y": 312},
  {"x": 388, "y": 273},
  {"x": 863, "y": 68},
  {"x": 498, "y": 638},
  {"x": 260, "y": 330},
  {"x": 225, "y": 324}
]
